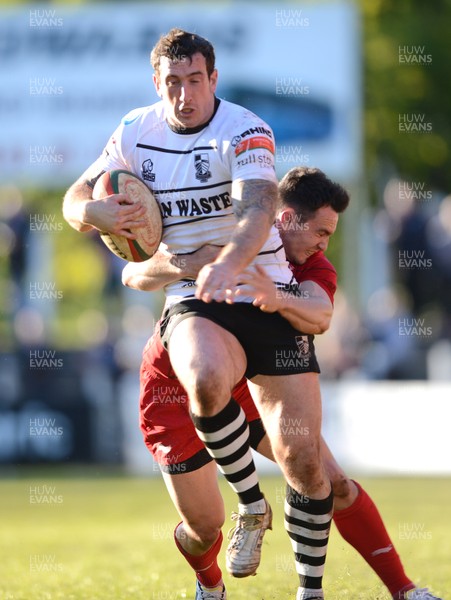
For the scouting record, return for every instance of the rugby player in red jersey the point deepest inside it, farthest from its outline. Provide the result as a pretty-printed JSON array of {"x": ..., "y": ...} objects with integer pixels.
[{"x": 307, "y": 217}]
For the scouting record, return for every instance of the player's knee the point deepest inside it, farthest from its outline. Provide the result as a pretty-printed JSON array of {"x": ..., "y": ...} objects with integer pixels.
[
  {"x": 308, "y": 478},
  {"x": 205, "y": 386},
  {"x": 302, "y": 453},
  {"x": 303, "y": 460},
  {"x": 206, "y": 529}
]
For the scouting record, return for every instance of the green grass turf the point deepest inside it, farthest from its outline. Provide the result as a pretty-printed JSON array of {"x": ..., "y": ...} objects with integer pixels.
[{"x": 103, "y": 536}]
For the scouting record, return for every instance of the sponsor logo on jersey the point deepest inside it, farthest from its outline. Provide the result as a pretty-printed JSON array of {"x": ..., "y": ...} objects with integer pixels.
[
  {"x": 129, "y": 120},
  {"x": 196, "y": 207},
  {"x": 202, "y": 166},
  {"x": 259, "y": 159},
  {"x": 251, "y": 131},
  {"x": 146, "y": 169},
  {"x": 253, "y": 143}
]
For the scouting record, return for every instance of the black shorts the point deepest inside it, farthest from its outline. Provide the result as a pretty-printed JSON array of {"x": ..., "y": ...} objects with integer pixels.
[{"x": 271, "y": 344}]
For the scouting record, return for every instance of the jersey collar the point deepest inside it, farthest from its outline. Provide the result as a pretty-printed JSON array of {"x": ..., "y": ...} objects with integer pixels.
[{"x": 190, "y": 130}]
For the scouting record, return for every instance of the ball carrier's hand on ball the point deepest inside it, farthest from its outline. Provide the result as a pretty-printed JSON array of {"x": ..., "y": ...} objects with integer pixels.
[
  {"x": 130, "y": 214},
  {"x": 117, "y": 214},
  {"x": 121, "y": 207}
]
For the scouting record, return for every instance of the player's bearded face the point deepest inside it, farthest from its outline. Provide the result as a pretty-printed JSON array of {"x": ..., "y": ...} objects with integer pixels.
[{"x": 186, "y": 90}]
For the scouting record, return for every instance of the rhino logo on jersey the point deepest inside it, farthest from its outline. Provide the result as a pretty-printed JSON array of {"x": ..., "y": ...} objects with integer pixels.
[
  {"x": 146, "y": 170},
  {"x": 202, "y": 166}
]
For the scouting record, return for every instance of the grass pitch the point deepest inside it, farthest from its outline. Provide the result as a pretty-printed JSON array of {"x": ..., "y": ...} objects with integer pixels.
[{"x": 92, "y": 536}]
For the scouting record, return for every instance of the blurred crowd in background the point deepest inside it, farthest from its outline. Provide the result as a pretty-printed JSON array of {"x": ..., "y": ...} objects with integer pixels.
[
  {"x": 401, "y": 331},
  {"x": 71, "y": 335}
]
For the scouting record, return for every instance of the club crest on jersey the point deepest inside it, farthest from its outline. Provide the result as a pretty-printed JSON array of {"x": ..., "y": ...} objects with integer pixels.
[
  {"x": 302, "y": 343},
  {"x": 146, "y": 169},
  {"x": 202, "y": 166}
]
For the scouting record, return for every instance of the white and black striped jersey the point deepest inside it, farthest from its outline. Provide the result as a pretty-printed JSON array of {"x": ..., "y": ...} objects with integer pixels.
[{"x": 190, "y": 173}]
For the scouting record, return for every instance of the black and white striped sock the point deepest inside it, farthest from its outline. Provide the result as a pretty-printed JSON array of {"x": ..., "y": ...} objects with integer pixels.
[
  {"x": 226, "y": 437},
  {"x": 307, "y": 522}
]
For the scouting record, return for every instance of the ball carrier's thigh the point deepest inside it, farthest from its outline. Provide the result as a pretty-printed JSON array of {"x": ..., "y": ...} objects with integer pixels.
[
  {"x": 290, "y": 407},
  {"x": 208, "y": 360}
]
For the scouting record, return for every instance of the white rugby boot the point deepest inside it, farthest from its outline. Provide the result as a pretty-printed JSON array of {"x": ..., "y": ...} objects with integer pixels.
[{"x": 245, "y": 547}]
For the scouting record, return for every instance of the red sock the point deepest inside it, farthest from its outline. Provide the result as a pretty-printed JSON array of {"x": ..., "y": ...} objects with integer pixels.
[
  {"x": 361, "y": 526},
  {"x": 205, "y": 565}
]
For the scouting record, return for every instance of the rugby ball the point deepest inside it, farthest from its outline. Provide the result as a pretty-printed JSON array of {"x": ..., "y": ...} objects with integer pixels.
[{"x": 149, "y": 236}]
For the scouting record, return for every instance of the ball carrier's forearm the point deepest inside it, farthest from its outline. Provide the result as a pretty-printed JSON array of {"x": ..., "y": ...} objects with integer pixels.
[
  {"x": 77, "y": 199},
  {"x": 116, "y": 213},
  {"x": 165, "y": 268},
  {"x": 255, "y": 204},
  {"x": 155, "y": 273}
]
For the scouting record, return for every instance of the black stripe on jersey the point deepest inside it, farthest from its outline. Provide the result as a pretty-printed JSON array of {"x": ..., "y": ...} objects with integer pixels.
[
  {"x": 194, "y": 220},
  {"x": 158, "y": 149},
  {"x": 271, "y": 251},
  {"x": 286, "y": 287},
  {"x": 293, "y": 288},
  {"x": 188, "y": 189}
]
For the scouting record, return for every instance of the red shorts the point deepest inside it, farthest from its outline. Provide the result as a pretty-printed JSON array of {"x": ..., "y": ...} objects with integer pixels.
[{"x": 165, "y": 421}]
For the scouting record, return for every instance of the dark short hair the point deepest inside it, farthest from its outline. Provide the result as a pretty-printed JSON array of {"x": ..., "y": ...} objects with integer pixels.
[
  {"x": 178, "y": 44},
  {"x": 306, "y": 189}
]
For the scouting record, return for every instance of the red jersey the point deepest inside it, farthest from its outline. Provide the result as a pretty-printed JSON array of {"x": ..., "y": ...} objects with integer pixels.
[{"x": 318, "y": 269}]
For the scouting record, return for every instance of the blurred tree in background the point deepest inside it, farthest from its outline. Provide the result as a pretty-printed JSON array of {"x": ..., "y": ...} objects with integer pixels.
[{"x": 406, "y": 72}]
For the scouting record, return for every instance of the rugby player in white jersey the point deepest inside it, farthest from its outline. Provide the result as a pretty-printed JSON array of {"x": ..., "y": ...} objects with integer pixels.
[{"x": 210, "y": 165}]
